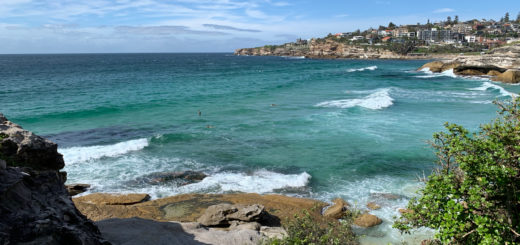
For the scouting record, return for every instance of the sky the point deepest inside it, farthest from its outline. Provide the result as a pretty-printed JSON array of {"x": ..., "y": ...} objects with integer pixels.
[{"x": 122, "y": 26}]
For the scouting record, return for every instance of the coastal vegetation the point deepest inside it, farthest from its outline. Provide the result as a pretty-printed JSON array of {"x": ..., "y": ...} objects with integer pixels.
[
  {"x": 473, "y": 197},
  {"x": 305, "y": 228}
]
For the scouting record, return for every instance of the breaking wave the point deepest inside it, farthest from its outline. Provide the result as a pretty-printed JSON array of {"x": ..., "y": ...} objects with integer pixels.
[
  {"x": 370, "y": 68},
  {"x": 487, "y": 85},
  {"x": 80, "y": 154},
  {"x": 377, "y": 100}
]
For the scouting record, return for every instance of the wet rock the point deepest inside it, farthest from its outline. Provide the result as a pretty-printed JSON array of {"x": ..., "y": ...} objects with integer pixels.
[
  {"x": 35, "y": 207},
  {"x": 180, "y": 178},
  {"x": 387, "y": 196},
  {"x": 493, "y": 73},
  {"x": 114, "y": 199},
  {"x": 337, "y": 210},
  {"x": 75, "y": 189},
  {"x": 477, "y": 70},
  {"x": 224, "y": 214},
  {"x": 367, "y": 220},
  {"x": 373, "y": 206}
]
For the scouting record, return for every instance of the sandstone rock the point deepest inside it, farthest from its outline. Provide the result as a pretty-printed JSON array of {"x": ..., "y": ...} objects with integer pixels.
[
  {"x": 114, "y": 199},
  {"x": 19, "y": 147},
  {"x": 373, "y": 206},
  {"x": 35, "y": 207},
  {"x": 493, "y": 73},
  {"x": 367, "y": 220},
  {"x": 509, "y": 76},
  {"x": 336, "y": 211},
  {"x": 75, "y": 189},
  {"x": 479, "y": 70},
  {"x": 470, "y": 72},
  {"x": 449, "y": 66},
  {"x": 223, "y": 214},
  {"x": 189, "y": 207},
  {"x": 434, "y": 66}
]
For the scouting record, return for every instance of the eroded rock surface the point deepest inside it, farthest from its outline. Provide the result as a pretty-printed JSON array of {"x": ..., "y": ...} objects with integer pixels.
[{"x": 35, "y": 207}]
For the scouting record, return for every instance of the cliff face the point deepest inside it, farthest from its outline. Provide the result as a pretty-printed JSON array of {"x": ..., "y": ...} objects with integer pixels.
[
  {"x": 35, "y": 207},
  {"x": 323, "y": 49}
]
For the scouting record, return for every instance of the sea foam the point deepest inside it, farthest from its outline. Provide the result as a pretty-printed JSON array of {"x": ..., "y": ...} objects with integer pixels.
[
  {"x": 370, "y": 68},
  {"x": 377, "y": 100},
  {"x": 430, "y": 74},
  {"x": 80, "y": 154},
  {"x": 487, "y": 85},
  {"x": 261, "y": 181}
]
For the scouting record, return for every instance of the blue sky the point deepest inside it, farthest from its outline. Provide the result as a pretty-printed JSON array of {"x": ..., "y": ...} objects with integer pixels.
[{"x": 99, "y": 26}]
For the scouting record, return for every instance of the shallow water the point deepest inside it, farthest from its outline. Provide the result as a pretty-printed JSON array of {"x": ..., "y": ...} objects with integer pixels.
[{"x": 313, "y": 128}]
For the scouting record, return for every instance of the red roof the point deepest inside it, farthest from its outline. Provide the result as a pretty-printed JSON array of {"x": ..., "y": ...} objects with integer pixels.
[{"x": 386, "y": 38}]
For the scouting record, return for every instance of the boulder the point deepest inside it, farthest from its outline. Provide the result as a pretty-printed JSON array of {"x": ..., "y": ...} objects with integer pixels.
[
  {"x": 35, "y": 207},
  {"x": 367, "y": 220},
  {"x": 114, "y": 199},
  {"x": 476, "y": 70},
  {"x": 337, "y": 210},
  {"x": 75, "y": 189},
  {"x": 470, "y": 72},
  {"x": 19, "y": 147},
  {"x": 386, "y": 196},
  {"x": 509, "y": 76},
  {"x": 373, "y": 206},
  {"x": 224, "y": 214}
]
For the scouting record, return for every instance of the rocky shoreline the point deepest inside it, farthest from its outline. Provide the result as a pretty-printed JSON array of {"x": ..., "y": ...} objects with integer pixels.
[
  {"x": 36, "y": 207},
  {"x": 501, "y": 64}
]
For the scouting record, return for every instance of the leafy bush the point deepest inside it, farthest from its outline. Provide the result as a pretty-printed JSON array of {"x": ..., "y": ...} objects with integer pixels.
[
  {"x": 306, "y": 229},
  {"x": 474, "y": 196}
]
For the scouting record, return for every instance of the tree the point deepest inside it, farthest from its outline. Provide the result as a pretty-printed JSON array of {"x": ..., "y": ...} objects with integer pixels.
[
  {"x": 456, "y": 21},
  {"x": 518, "y": 18},
  {"x": 448, "y": 20},
  {"x": 506, "y": 17},
  {"x": 474, "y": 195},
  {"x": 391, "y": 26}
]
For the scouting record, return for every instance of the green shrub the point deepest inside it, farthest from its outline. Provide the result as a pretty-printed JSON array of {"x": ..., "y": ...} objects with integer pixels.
[
  {"x": 474, "y": 195},
  {"x": 307, "y": 229}
]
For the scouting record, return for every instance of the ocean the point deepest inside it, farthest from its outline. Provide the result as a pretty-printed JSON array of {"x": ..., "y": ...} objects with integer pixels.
[{"x": 311, "y": 128}]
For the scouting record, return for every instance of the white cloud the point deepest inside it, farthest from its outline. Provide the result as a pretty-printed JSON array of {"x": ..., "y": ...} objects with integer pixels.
[{"x": 444, "y": 10}]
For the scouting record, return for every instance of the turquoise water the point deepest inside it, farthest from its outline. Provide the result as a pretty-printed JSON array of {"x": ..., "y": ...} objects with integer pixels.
[{"x": 314, "y": 128}]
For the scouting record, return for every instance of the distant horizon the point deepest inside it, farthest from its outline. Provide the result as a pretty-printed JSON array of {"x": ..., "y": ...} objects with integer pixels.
[{"x": 205, "y": 26}]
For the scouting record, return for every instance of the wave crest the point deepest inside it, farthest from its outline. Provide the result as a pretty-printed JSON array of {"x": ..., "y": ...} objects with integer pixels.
[
  {"x": 487, "y": 85},
  {"x": 377, "y": 100},
  {"x": 80, "y": 154},
  {"x": 370, "y": 68}
]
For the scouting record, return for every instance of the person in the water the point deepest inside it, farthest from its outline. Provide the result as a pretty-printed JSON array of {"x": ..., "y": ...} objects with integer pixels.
[{"x": 200, "y": 113}]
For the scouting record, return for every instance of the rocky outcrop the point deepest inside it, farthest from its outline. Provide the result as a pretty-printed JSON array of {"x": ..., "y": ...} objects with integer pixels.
[
  {"x": 140, "y": 231},
  {"x": 367, "y": 220},
  {"x": 501, "y": 64},
  {"x": 189, "y": 207},
  {"x": 35, "y": 207},
  {"x": 21, "y": 148},
  {"x": 225, "y": 214},
  {"x": 180, "y": 178},
  {"x": 373, "y": 206},
  {"x": 337, "y": 210},
  {"x": 75, "y": 189}
]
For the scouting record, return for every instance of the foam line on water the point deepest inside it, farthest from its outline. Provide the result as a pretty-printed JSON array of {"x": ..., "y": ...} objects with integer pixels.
[
  {"x": 487, "y": 85},
  {"x": 377, "y": 100},
  {"x": 368, "y": 68},
  {"x": 80, "y": 154}
]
